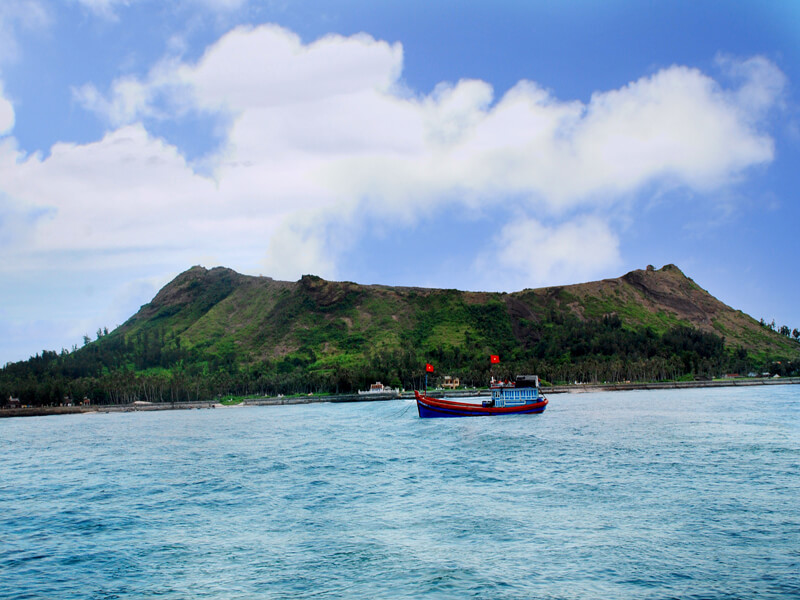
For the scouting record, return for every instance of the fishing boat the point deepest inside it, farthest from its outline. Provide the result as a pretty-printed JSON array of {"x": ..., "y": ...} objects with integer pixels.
[{"x": 520, "y": 397}]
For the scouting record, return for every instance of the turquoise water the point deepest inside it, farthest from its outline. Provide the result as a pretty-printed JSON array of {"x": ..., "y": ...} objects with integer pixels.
[{"x": 658, "y": 494}]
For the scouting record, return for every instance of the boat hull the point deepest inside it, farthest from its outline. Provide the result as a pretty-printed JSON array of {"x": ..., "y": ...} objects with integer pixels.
[{"x": 435, "y": 408}]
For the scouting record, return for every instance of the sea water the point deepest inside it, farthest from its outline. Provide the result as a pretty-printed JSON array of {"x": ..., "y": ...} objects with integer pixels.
[{"x": 642, "y": 494}]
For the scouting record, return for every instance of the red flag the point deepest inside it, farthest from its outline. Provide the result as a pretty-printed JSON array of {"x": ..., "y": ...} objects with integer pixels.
[
  {"x": 429, "y": 367},
  {"x": 494, "y": 358}
]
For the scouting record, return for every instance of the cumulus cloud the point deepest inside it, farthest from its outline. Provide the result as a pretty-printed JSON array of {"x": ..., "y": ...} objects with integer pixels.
[
  {"x": 527, "y": 251},
  {"x": 128, "y": 190},
  {"x": 297, "y": 248},
  {"x": 251, "y": 69},
  {"x": 761, "y": 84},
  {"x": 323, "y": 131},
  {"x": 6, "y": 114},
  {"x": 129, "y": 100}
]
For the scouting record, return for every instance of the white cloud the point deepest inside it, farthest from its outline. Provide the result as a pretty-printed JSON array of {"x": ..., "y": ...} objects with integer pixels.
[
  {"x": 129, "y": 100},
  {"x": 15, "y": 15},
  {"x": 677, "y": 123},
  {"x": 528, "y": 253},
  {"x": 104, "y": 8},
  {"x": 252, "y": 69},
  {"x": 127, "y": 192},
  {"x": 326, "y": 130},
  {"x": 296, "y": 249},
  {"x": 762, "y": 84},
  {"x": 6, "y": 114}
]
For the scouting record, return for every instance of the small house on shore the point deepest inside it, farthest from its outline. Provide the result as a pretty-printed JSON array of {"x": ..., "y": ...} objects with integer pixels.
[{"x": 451, "y": 383}]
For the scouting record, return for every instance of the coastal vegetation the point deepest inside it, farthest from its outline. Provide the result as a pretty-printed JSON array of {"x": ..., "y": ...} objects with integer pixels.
[{"x": 214, "y": 334}]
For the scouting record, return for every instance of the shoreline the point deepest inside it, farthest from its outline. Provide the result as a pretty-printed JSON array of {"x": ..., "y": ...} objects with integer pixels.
[{"x": 580, "y": 388}]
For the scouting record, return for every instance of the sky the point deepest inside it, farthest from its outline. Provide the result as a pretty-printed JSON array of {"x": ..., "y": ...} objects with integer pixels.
[{"x": 473, "y": 145}]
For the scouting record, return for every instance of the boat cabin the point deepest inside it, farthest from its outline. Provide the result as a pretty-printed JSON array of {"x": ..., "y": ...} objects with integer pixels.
[{"x": 525, "y": 390}]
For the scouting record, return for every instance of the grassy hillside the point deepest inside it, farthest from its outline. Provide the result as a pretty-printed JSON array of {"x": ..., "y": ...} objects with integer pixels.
[
  {"x": 215, "y": 331},
  {"x": 258, "y": 318}
]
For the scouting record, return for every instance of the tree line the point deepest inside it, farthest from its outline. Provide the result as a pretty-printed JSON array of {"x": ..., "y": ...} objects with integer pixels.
[
  {"x": 784, "y": 330},
  {"x": 154, "y": 365}
]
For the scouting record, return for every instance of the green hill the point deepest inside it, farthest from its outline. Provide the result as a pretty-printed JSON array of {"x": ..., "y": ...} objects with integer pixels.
[{"x": 216, "y": 331}]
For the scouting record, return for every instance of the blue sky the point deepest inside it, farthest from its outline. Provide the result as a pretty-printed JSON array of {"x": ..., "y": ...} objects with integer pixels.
[{"x": 474, "y": 145}]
